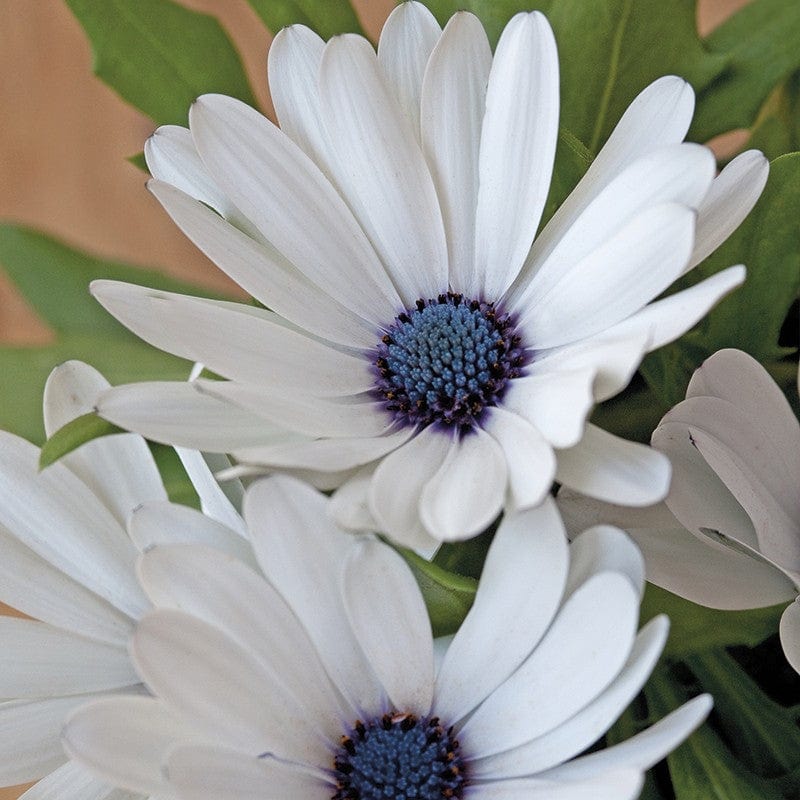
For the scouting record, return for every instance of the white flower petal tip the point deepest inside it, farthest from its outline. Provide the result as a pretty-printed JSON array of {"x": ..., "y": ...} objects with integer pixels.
[{"x": 790, "y": 634}]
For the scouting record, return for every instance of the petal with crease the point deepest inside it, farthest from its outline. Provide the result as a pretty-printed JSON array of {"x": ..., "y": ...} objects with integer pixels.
[
  {"x": 510, "y": 612},
  {"x": 468, "y": 490},
  {"x": 608, "y": 468}
]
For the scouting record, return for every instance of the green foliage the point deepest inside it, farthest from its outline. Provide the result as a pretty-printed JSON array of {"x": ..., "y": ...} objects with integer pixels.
[
  {"x": 695, "y": 628},
  {"x": 448, "y": 595},
  {"x": 327, "y": 19},
  {"x": 761, "y": 47},
  {"x": 752, "y": 316},
  {"x": 610, "y": 51},
  {"x": 160, "y": 56},
  {"x": 704, "y": 768},
  {"x": 777, "y": 128},
  {"x": 54, "y": 279},
  {"x": 72, "y": 435},
  {"x": 494, "y": 14}
]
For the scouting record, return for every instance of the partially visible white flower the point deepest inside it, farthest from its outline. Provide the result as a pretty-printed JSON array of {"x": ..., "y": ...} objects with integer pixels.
[
  {"x": 424, "y": 351},
  {"x": 728, "y": 534},
  {"x": 67, "y": 561},
  {"x": 321, "y": 681}
]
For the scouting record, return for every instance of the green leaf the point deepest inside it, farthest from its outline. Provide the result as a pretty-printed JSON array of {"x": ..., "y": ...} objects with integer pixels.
[
  {"x": 777, "y": 129},
  {"x": 494, "y": 14},
  {"x": 160, "y": 56},
  {"x": 761, "y": 45},
  {"x": 25, "y": 369},
  {"x": 448, "y": 596},
  {"x": 327, "y": 19},
  {"x": 54, "y": 279},
  {"x": 761, "y": 733},
  {"x": 703, "y": 768},
  {"x": 72, "y": 435},
  {"x": 176, "y": 481},
  {"x": 572, "y": 160},
  {"x": 610, "y": 51},
  {"x": 695, "y": 627},
  {"x": 751, "y": 317}
]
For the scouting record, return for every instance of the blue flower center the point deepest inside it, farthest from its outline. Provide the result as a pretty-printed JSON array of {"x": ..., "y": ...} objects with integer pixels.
[
  {"x": 447, "y": 360},
  {"x": 399, "y": 757}
]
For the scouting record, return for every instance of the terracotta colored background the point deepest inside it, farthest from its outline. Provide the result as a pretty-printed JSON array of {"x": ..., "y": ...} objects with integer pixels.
[{"x": 64, "y": 138}]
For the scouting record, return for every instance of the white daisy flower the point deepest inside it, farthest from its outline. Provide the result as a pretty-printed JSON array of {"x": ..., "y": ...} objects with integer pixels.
[
  {"x": 425, "y": 347},
  {"x": 323, "y": 681},
  {"x": 68, "y": 562},
  {"x": 728, "y": 534}
]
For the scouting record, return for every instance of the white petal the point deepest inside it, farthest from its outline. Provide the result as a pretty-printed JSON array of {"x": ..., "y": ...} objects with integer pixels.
[
  {"x": 680, "y": 173},
  {"x": 221, "y": 686},
  {"x": 454, "y": 100},
  {"x": 681, "y": 562},
  {"x": 730, "y": 199},
  {"x": 38, "y": 661},
  {"x": 469, "y": 489},
  {"x": 697, "y": 497},
  {"x": 738, "y": 378},
  {"x": 292, "y": 203},
  {"x": 612, "y": 469},
  {"x": 123, "y": 740},
  {"x": 665, "y": 320},
  {"x": 236, "y": 341},
  {"x": 302, "y": 554},
  {"x": 580, "y": 655},
  {"x": 407, "y": 39},
  {"x": 173, "y": 159},
  {"x": 305, "y": 414},
  {"x": 222, "y": 591},
  {"x": 399, "y": 482},
  {"x": 35, "y": 587},
  {"x": 381, "y": 171},
  {"x": 177, "y": 413},
  {"x": 733, "y": 447},
  {"x": 589, "y": 724},
  {"x": 199, "y": 772},
  {"x": 72, "y": 782},
  {"x": 632, "y": 267},
  {"x": 510, "y": 612},
  {"x": 613, "y": 360},
  {"x": 622, "y": 785},
  {"x": 29, "y": 737},
  {"x": 170, "y": 523},
  {"x": 555, "y": 398},
  {"x": 603, "y": 548},
  {"x": 518, "y": 144},
  {"x": 349, "y": 506},
  {"x": 217, "y": 501},
  {"x": 293, "y": 66},
  {"x": 530, "y": 460},
  {"x": 263, "y": 272},
  {"x": 324, "y": 455},
  {"x": 643, "y": 750},
  {"x": 119, "y": 469},
  {"x": 390, "y": 621},
  {"x": 658, "y": 116},
  {"x": 54, "y": 514},
  {"x": 790, "y": 634}
]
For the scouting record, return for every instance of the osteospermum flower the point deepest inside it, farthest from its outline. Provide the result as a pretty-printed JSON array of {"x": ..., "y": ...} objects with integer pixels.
[
  {"x": 322, "y": 681},
  {"x": 728, "y": 534},
  {"x": 67, "y": 561},
  {"x": 424, "y": 351}
]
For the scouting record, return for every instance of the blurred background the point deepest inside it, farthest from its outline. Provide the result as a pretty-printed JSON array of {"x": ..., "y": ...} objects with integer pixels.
[{"x": 65, "y": 139}]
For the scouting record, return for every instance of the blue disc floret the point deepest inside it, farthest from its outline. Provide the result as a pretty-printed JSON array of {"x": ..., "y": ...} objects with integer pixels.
[
  {"x": 399, "y": 757},
  {"x": 446, "y": 360}
]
